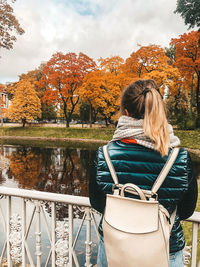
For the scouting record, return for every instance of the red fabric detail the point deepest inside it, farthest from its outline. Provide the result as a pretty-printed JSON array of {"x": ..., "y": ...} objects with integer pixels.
[{"x": 129, "y": 141}]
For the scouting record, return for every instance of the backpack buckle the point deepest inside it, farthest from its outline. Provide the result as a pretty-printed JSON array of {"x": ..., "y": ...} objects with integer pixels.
[
  {"x": 154, "y": 196},
  {"x": 115, "y": 189}
]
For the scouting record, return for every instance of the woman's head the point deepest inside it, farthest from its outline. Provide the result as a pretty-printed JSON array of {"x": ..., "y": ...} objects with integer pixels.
[{"x": 142, "y": 100}]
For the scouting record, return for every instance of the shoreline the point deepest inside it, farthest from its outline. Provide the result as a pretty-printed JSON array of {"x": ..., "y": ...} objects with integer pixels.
[
  {"x": 70, "y": 139},
  {"x": 54, "y": 139}
]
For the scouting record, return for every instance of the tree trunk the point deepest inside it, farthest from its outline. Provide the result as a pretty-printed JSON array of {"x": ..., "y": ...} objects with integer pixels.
[
  {"x": 23, "y": 122},
  {"x": 191, "y": 94},
  {"x": 176, "y": 98},
  {"x": 67, "y": 122},
  {"x": 197, "y": 95},
  {"x": 90, "y": 115},
  {"x": 65, "y": 113}
]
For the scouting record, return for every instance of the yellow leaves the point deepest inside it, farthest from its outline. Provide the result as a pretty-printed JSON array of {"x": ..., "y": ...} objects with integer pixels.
[
  {"x": 151, "y": 62},
  {"x": 187, "y": 56},
  {"x": 102, "y": 88},
  {"x": 187, "y": 50},
  {"x": 25, "y": 104},
  {"x": 26, "y": 168},
  {"x": 146, "y": 59},
  {"x": 112, "y": 64}
]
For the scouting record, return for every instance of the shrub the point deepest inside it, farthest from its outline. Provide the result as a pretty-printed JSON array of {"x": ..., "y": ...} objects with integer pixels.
[{"x": 187, "y": 122}]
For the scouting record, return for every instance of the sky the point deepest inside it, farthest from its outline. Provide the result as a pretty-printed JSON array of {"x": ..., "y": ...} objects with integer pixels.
[{"x": 98, "y": 28}]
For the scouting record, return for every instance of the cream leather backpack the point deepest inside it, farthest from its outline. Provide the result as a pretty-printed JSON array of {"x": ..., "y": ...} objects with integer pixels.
[{"x": 137, "y": 231}]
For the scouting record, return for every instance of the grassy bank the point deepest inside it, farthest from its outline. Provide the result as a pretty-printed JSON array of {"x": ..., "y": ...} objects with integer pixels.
[
  {"x": 190, "y": 139},
  {"x": 53, "y": 132}
]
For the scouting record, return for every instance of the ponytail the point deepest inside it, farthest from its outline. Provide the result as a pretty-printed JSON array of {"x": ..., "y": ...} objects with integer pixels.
[
  {"x": 142, "y": 100},
  {"x": 155, "y": 123}
]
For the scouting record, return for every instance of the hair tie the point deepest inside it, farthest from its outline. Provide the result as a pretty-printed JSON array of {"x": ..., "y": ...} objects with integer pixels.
[{"x": 145, "y": 91}]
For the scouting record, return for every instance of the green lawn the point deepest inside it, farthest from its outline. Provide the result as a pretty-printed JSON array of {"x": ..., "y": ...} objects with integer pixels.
[
  {"x": 190, "y": 139},
  {"x": 58, "y": 132}
]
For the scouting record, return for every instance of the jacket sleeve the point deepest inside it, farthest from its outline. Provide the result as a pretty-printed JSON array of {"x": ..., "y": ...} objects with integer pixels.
[
  {"x": 97, "y": 197},
  {"x": 187, "y": 204}
]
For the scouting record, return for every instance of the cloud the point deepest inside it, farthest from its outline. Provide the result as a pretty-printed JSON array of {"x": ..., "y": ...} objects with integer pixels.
[{"x": 99, "y": 28}]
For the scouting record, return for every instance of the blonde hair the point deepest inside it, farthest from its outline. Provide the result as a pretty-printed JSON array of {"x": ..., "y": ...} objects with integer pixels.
[{"x": 143, "y": 100}]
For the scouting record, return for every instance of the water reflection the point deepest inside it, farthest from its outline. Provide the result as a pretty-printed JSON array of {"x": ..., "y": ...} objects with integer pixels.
[{"x": 58, "y": 170}]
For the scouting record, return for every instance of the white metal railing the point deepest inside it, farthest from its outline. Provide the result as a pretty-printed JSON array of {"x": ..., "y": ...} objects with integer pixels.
[
  {"x": 195, "y": 219},
  {"x": 25, "y": 215}
]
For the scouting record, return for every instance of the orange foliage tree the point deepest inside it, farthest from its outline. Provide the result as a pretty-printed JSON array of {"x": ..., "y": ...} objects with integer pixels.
[
  {"x": 102, "y": 88},
  {"x": 90, "y": 92},
  {"x": 151, "y": 62},
  {"x": 48, "y": 111},
  {"x": 25, "y": 105},
  {"x": 26, "y": 168},
  {"x": 62, "y": 76},
  {"x": 188, "y": 59}
]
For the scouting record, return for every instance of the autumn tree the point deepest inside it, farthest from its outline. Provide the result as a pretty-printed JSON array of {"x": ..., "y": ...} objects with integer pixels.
[
  {"x": 25, "y": 105},
  {"x": 111, "y": 64},
  {"x": 102, "y": 88},
  {"x": 9, "y": 25},
  {"x": 171, "y": 54},
  {"x": 91, "y": 92},
  {"x": 188, "y": 59},
  {"x": 62, "y": 76},
  {"x": 48, "y": 111},
  {"x": 151, "y": 62}
]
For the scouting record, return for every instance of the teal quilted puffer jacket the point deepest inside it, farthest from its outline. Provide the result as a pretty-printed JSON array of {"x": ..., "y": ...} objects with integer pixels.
[{"x": 140, "y": 165}]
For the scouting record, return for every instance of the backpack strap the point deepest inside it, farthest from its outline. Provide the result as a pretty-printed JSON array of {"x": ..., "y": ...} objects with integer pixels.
[
  {"x": 110, "y": 165},
  {"x": 161, "y": 177},
  {"x": 165, "y": 170}
]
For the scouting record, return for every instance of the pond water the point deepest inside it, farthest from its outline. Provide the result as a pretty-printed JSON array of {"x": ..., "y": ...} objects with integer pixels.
[{"x": 59, "y": 170}]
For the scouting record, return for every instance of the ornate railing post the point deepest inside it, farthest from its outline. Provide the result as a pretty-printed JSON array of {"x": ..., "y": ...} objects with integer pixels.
[
  {"x": 38, "y": 244},
  {"x": 23, "y": 232},
  {"x": 71, "y": 232},
  {"x": 194, "y": 243},
  {"x": 88, "y": 241},
  {"x": 195, "y": 219},
  {"x": 8, "y": 230},
  {"x": 53, "y": 233}
]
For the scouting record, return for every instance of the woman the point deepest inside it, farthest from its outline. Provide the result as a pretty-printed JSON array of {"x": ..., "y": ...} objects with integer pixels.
[{"x": 139, "y": 149}]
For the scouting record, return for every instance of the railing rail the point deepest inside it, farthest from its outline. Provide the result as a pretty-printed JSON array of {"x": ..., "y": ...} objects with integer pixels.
[
  {"x": 195, "y": 219},
  {"x": 25, "y": 214}
]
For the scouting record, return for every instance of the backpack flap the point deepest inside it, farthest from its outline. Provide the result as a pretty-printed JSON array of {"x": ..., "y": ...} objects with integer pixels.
[{"x": 132, "y": 215}]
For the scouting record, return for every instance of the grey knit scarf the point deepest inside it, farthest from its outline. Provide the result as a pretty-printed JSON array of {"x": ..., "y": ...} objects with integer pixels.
[{"x": 131, "y": 128}]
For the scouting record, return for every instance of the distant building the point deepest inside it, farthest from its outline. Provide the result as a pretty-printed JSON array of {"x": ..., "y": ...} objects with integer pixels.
[{"x": 4, "y": 98}]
